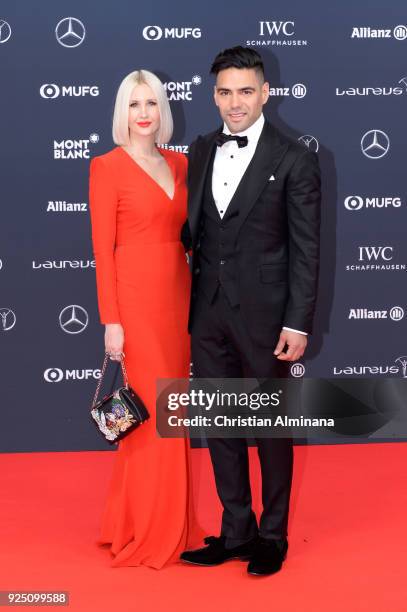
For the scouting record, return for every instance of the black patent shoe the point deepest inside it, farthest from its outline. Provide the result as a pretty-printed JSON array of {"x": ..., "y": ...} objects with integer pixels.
[
  {"x": 268, "y": 557},
  {"x": 215, "y": 552}
]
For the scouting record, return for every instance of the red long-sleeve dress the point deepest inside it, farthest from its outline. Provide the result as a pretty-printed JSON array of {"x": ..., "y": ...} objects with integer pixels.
[{"x": 143, "y": 282}]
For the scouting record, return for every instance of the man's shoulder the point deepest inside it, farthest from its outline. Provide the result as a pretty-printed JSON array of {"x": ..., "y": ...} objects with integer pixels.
[{"x": 294, "y": 147}]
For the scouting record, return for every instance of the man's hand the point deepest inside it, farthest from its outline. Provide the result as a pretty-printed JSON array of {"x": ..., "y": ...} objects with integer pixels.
[{"x": 296, "y": 346}]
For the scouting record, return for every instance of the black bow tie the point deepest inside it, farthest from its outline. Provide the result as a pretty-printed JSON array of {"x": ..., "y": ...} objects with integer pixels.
[{"x": 222, "y": 138}]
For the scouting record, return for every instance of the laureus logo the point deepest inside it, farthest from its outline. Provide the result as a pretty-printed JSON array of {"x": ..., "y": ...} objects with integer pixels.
[
  {"x": 7, "y": 319},
  {"x": 403, "y": 365}
]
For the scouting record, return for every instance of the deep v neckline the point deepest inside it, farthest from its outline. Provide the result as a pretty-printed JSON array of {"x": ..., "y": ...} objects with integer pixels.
[{"x": 151, "y": 178}]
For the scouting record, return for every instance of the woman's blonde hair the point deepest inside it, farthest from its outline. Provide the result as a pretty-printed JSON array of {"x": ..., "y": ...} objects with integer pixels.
[{"x": 120, "y": 128}]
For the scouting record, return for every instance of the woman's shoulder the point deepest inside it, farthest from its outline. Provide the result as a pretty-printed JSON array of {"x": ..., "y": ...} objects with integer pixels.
[{"x": 109, "y": 158}]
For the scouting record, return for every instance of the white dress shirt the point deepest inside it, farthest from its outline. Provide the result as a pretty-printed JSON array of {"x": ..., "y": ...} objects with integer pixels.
[{"x": 229, "y": 166}]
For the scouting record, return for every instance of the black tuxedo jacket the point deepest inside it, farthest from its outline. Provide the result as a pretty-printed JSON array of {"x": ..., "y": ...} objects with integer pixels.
[{"x": 276, "y": 236}]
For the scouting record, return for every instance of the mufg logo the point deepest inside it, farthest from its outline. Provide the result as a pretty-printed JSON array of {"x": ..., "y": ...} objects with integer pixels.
[{"x": 156, "y": 32}]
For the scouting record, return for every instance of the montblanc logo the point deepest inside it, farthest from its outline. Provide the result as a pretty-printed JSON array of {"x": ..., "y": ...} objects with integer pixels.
[
  {"x": 181, "y": 90},
  {"x": 399, "y": 32},
  {"x": 400, "y": 368},
  {"x": 398, "y": 90},
  {"x": 375, "y": 259},
  {"x": 356, "y": 202},
  {"x": 58, "y": 206},
  {"x": 395, "y": 314},
  {"x": 156, "y": 32},
  {"x": 277, "y": 34},
  {"x": 299, "y": 90},
  {"x": 56, "y": 375},
  {"x": 74, "y": 149},
  {"x": 52, "y": 91},
  {"x": 64, "y": 264}
]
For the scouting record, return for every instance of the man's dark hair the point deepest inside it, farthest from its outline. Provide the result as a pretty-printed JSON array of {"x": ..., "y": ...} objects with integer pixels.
[{"x": 238, "y": 57}]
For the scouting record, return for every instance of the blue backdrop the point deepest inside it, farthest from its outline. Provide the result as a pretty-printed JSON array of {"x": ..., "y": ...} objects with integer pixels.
[{"x": 338, "y": 81}]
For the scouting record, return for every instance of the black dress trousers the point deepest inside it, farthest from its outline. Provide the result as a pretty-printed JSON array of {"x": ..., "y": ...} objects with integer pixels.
[{"x": 223, "y": 348}]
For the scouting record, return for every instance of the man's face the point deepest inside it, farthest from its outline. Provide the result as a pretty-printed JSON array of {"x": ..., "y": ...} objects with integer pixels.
[{"x": 240, "y": 94}]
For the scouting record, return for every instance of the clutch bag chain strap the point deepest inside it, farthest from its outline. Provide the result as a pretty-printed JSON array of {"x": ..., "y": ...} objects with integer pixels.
[{"x": 102, "y": 374}]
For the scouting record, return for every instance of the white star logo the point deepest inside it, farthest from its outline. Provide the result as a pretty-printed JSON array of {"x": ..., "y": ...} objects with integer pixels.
[{"x": 375, "y": 144}]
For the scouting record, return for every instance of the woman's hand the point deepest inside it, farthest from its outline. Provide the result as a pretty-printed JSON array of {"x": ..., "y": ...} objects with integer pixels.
[{"x": 114, "y": 340}]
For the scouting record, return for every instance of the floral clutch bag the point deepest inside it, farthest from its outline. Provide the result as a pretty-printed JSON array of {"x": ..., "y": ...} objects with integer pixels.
[{"x": 120, "y": 412}]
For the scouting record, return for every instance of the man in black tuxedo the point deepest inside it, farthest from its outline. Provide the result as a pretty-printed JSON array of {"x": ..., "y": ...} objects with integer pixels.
[{"x": 253, "y": 225}]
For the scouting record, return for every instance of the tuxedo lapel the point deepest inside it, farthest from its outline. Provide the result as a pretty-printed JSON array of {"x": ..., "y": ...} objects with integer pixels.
[
  {"x": 204, "y": 151},
  {"x": 266, "y": 159}
]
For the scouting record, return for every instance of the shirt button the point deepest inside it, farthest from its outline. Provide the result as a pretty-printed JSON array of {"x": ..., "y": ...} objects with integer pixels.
[
  {"x": 221, "y": 212},
  {"x": 232, "y": 156},
  {"x": 225, "y": 184}
]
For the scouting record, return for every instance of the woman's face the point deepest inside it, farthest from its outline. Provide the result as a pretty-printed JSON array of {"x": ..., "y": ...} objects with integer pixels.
[{"x": 144, "y": 116}]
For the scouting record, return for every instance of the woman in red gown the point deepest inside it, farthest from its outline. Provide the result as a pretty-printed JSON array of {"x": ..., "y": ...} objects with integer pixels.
[{"x": 138, "y": 205}]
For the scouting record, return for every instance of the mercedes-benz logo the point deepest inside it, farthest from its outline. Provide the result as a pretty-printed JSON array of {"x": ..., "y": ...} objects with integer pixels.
[
  {"x": 310, "y": 141},
  {"x": 73, "y": 319},
  {"x": 7, "y": 319},
  {"x": 5, "y": 31},
  {"x": 70, "y": 32},
  {"x": 375, "y": 144}
]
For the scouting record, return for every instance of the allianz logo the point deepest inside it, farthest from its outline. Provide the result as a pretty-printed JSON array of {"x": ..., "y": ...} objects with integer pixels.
[
  {"x": 64, "y": 206},
  {"x": 399, "y": 32},
  {"x": 374, "y": 91},
  {"x": 63, "y": 264},
  {"x": 395, "y": 314},
  {"x": 179, "y": 148},
  {"x": 55, "y": 375},
  {"x": 299, "y": 90},
  {"x": 356, "y": 202}
]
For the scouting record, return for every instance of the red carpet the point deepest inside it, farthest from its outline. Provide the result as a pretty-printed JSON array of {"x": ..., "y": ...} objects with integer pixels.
[{"x": 348, "y": 537}]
